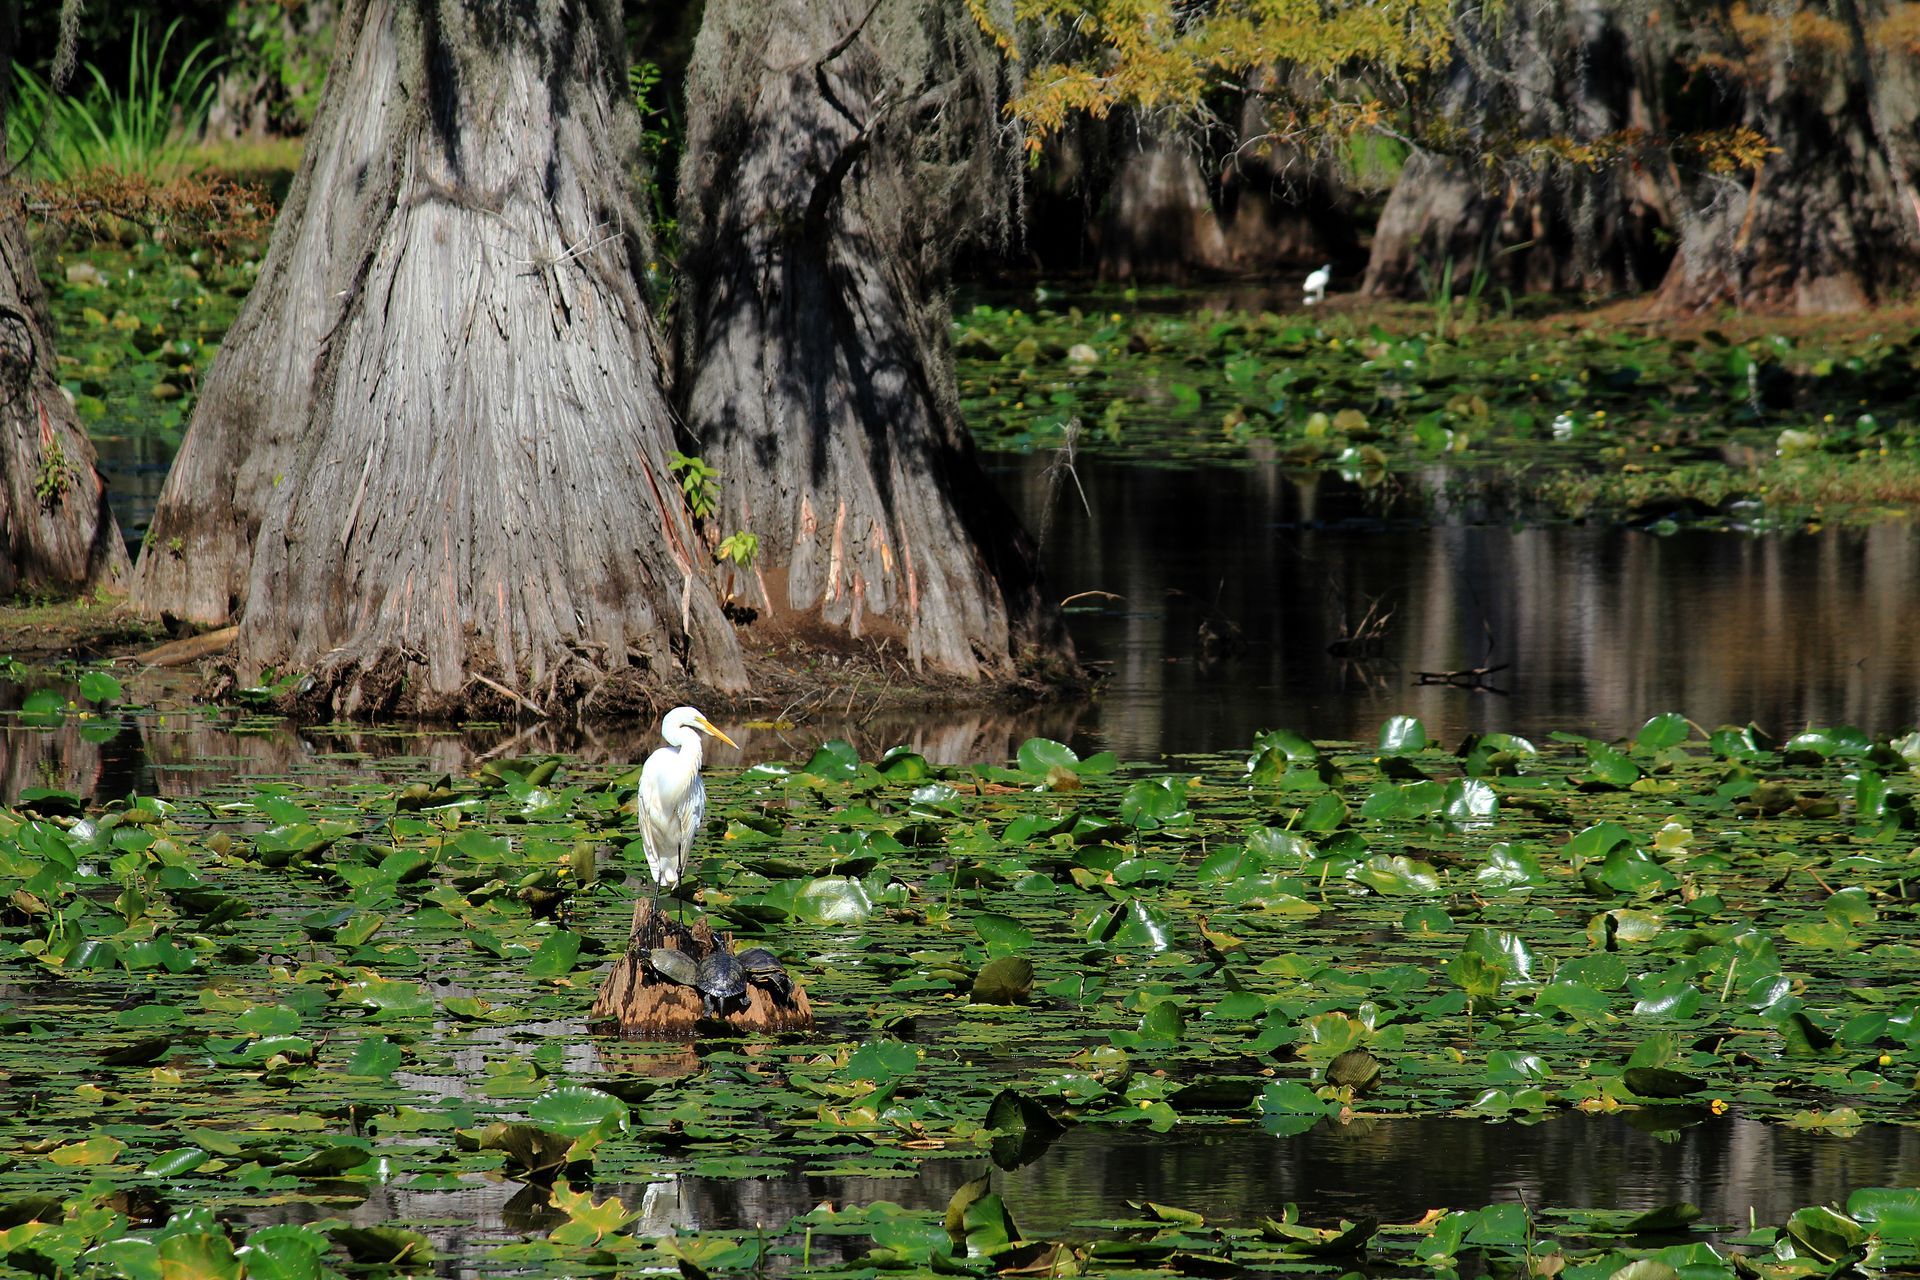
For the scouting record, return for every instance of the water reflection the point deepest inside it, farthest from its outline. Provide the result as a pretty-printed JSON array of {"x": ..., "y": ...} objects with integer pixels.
[
  {"x": 180, "y": 751},
  {"x": 1394, "y": 1170},
  {"x": 1736, "y": 1171},
  {"x": 1234, "y": 583},
  {"x": 1212, "y": 598}
]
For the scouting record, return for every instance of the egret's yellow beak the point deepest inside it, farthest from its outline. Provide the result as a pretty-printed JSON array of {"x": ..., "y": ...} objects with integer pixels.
[{"x": 709, "y": 727}]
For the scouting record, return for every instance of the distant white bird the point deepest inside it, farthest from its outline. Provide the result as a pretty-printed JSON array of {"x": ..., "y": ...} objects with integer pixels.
[
  {"x": 673, "y": 800},
  {"x": 1316, "y": 286}
]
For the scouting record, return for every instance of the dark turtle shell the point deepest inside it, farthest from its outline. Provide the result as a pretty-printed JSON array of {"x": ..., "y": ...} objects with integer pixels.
[
  {"x": 764, "y": 969},
  {"x": 674, "y": 966},
  {"x": 721, "y": 976},
  {"x": 721, "y": 982}
]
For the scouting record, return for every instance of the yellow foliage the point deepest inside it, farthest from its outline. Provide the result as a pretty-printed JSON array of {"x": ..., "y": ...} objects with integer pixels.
[
  {"x": 1805, "y": 40},
  {"x": 1803, "y": 30},
  {"x": 1162, "y": 55},
  {"x": 1898, "y": 31},
  {"x": 1718, "y": 150}
]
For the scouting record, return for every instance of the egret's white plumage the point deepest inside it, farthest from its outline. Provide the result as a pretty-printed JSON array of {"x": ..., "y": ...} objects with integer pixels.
[
  {"x": 673, "y": 800},
  {"x": 1316, "y": 286}
]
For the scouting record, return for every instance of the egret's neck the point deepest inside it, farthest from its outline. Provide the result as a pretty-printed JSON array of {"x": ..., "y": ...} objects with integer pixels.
[{"x": 686, "y": 740}]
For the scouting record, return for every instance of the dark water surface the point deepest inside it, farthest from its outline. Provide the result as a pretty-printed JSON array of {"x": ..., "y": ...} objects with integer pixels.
[
  {"x": 1394, "y": 1170},
  {"x": 1210, "y": 598},
  {"x": 1232, "y": 585},
  {"x": 1737, "y": 1172}
]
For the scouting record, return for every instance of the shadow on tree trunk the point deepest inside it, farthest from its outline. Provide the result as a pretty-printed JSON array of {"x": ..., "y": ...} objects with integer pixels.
[{"x": 838, "y": 153}]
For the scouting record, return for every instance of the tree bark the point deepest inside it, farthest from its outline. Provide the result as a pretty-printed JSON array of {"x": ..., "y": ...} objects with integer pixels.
[
  {"x": 837, "y": 150},
  {"x": 59, "y": 532},
  {"x": 255, "y": 404},
  {"x": 1831, "y": 221},
  {"x": 1160, "y": 222},
  {"x": 1565, "y": 75},
  {"x": 478, "y": 513}
]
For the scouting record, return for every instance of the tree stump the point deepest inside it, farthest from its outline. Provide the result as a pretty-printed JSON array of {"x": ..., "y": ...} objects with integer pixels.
[{"x": 637, "y": 1002}]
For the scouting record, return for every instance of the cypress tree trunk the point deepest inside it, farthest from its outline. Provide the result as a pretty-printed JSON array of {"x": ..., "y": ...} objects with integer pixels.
[
  {"x": 54, "y": 519},
  {"x": 1160, "y": 222},
  {"x": 254, "y": 406},
  {"x": 837, "y": 150},
  {"x": 1528, "y": 82},
  {"x": 478, "y": 514},
  {"x": 1831, "y": 220}
]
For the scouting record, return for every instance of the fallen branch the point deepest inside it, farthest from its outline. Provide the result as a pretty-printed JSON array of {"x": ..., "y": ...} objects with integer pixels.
[
  {"x": 177, "y": 653},
  {"x": 1467, "y": 678},
  {"x": 505, "y": 692}
]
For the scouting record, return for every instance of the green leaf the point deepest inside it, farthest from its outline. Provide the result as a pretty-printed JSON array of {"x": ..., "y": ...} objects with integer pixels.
[
  {"x": 1608, "y": 767},
  {"x": 1396, "y": 874},
  {"x": 376, "y": 1056},
  {"x": 1824, "y": 1233},
  {"x": 1289, "y": 1107},
  {"x": 1163, "y": 1021},
  {"x": 1892, "y": 1212},
  {"x": 576, "y": 1110},
  {"x": 1597, "y": 841},
  {"x": 285, "y": 1251},
  {"x": 555, "y": 956},
  {"x": 1469, "y": 800},
  {"x": 1509, "y": 867},
  {"x": 1402, "y": 734},
  {"x": 1645, "y": 1269},
  {"x": 834, "y": 761},
  {"x": 903, "y": 764},
  {"x": 1287, "y": 745},
  {"x": 1474, "y": 975},
  {"x": 43, "y": 708},
  {"x": 201, "y": 1255},
  {"x": 101, "y": 1149},
  {"x": 1661, "y": 732},
  {"x": 336, "y": 1157},
  {"x": 1005, "y": 980},
  {"x": 1131, "y": 923},
  {"x": 384, "y": 1246},
  {"x": 1323, "y": 813},
  {"x": 1156, "y": 802},
  {"x": 1505, "y": 951},
  {"x": 179, "y": 1160},
  {"x": 1002, "y": 933},
  {"x": 880, "y": 1061},
  {"x": 829, "y": 900},
  {"x": 1661, "y": 1082},
  {"x": 98, "y": 686}
]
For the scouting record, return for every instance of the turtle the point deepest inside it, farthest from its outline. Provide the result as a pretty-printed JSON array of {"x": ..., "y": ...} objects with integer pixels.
[
  {"x": 674, "y": 966},
  {"x": 720, "y": 981},
  {"x": 764, "y": 970}
]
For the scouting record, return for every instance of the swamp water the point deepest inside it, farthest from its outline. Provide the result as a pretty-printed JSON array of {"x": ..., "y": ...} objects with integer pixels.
[
  {"x": 329, "y": 1004},
  {"x": 1736, "y": 1171},
  {"x": 1214, "y": 601},
  {"x": 1631, "y": 989}
]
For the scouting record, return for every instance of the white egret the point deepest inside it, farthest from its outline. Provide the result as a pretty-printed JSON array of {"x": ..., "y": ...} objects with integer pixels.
[
  {"x": 673, "y": 800},
  {"x": 1316, "y": 286}
]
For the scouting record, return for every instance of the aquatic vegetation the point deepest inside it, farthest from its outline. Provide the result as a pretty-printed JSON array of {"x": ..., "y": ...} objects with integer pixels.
[
  {"x": 137, "y": 330},
  {"x": 1564, "y": 415},
  {"x": 231, "y": 1019}
]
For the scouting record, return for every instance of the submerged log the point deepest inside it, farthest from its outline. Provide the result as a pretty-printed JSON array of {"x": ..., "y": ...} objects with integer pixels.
[{"x": 638, "y": 1002}]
